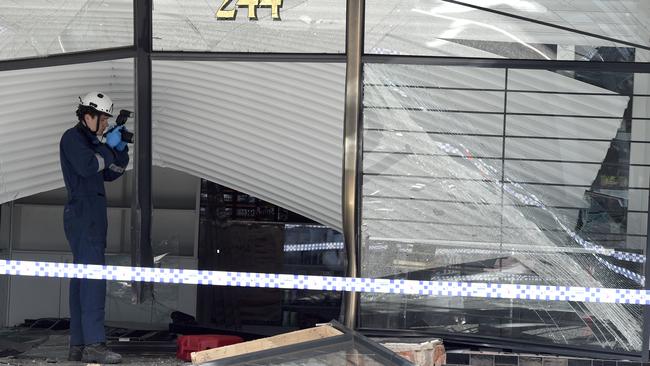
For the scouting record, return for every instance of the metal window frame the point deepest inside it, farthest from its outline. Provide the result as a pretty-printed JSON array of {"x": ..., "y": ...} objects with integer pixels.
[
  {"x": 355, "y": 57},
  {"x": 349, "y": 338},
  {"x": 71, "y": 58},
  {"x": 551, "y": 65},
  {"x": 142, "y": 203},
  {"x": 353, "y": 152}
]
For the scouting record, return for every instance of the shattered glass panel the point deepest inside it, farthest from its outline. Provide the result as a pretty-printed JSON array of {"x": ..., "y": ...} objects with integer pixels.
[
  {"x": 322, "y": 358},
  {"x": 235, "y": 26},
  {"x": 506, "y": 176},
  {"x": 41, "y": 28},
  {"x": 349, "y": 349},
  {"x": 156, "y": 310},
  {"x": 591, "y": 30}
]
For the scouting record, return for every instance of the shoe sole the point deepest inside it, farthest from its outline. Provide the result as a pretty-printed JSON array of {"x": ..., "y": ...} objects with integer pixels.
[{"x": 100, "y": 362}]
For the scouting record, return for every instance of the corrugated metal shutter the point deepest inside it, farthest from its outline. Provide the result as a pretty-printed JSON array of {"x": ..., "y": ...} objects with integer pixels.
[
  {"x": 272, "y": 130},
  {"x": 36, "y": 107}
]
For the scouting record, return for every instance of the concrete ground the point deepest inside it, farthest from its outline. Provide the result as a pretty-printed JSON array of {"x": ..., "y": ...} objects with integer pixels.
[
  {"x": 55, "y": 352},
  {"x": 21, "y": 361}
]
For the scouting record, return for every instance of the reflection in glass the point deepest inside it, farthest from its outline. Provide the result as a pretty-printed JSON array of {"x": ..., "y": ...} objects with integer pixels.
[
  {"x": 437, "y": 27},
  {"x": 543, "y": 200}
]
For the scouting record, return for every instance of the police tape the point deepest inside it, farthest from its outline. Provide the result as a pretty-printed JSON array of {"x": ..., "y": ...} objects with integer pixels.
[
  {"x": 312, "y": 247},
  {"x": 327, "y": 283}
]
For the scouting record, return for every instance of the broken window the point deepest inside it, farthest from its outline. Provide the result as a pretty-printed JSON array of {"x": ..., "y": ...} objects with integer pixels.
[
  {"x": 506, "y": 176},
  {"x": 41, "y": 28},
  {"x": 522, "y": 29}
]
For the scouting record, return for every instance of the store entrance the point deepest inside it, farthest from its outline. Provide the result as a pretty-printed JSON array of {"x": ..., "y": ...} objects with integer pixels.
[{"x": 240, "y": 233}]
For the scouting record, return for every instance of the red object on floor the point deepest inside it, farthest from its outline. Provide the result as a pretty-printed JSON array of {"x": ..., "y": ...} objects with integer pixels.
[{"x": 187, "y": 344}]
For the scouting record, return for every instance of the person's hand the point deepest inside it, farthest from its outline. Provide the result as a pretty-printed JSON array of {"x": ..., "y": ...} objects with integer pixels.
[
  {"x": 121, "y": 146},
  {"x": 114, "y": 138}
]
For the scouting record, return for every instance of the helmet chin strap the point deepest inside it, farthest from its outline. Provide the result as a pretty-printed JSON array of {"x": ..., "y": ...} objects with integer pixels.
[{"x": 96, "y": 128}]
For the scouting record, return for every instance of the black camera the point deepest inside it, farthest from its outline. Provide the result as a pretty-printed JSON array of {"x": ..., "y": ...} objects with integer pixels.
[{"x": 120, "y": 121}]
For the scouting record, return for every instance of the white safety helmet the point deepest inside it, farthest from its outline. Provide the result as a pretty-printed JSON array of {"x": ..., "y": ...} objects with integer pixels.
[{"x": 99, "y": 102}]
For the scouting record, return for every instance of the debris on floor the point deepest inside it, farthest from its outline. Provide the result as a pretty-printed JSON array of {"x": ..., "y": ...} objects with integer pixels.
[
  {"x": 54, "y": 351},
  {"x": 431, "y": 353},
  {"x": 265, "y": 344},
  {"x": 330, "y": 344}
]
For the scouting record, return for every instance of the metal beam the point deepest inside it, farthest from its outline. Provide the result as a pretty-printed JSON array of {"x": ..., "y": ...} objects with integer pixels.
[
  {"x": 509, "y": 63},
  {"x": 68, "y": 58},
  {"x": 142, "y": 207},
  {"x": 352, "y": 150},
  {"x": 645, "y": 333},
  {"x": 6, "y": 240},
  {"x": 248, "y": 57}
]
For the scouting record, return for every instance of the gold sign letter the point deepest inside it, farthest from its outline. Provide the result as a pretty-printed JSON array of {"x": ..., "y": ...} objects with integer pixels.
[
  {"x": 275, "y": 5},
  {"x": 222, "y": 13},
  {"x": 252, "y": 7}
]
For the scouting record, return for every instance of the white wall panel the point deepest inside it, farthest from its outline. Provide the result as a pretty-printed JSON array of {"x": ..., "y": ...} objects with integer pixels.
[
  {"x": 272, "y": 130},
  {"x": 36, "y": 107},
  {"x": 36, "y": 297}
]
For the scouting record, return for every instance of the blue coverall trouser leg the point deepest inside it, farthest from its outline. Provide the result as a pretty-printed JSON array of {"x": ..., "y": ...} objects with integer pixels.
[
  {"x": 86, "y": 164},
  {"x": 87, "y": 297}
]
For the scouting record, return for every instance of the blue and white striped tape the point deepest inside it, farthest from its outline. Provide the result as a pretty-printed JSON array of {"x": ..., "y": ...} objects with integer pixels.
[
  {"x": 328, "y": 283},
  {"x": 313, "y": 247}
]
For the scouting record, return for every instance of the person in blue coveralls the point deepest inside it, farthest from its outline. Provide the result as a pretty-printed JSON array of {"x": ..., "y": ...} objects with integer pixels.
[{"x": 86, "y": 163}]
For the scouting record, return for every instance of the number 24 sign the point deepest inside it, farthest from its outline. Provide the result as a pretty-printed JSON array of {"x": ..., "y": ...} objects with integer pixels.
[{"x": 252, "y": 5}]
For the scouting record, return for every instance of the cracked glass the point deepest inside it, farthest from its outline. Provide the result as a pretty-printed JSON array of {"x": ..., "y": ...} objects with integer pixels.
[
  {"x": 587, "y": 30},
  {"x": 506, "y": 176},
  {"x": 41, "y": 28},
  {"x": 299, "y": 26}
]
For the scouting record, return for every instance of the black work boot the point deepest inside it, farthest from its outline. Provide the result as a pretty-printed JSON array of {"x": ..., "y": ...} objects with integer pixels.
[
  {"x": 99, "y": 353},
  {"x": 75, "y": 352}
]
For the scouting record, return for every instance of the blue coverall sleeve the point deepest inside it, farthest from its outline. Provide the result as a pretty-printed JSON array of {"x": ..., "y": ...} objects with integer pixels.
[
  {"x": 84, "y": 160},
  {"x": 117, "y": 168}
]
